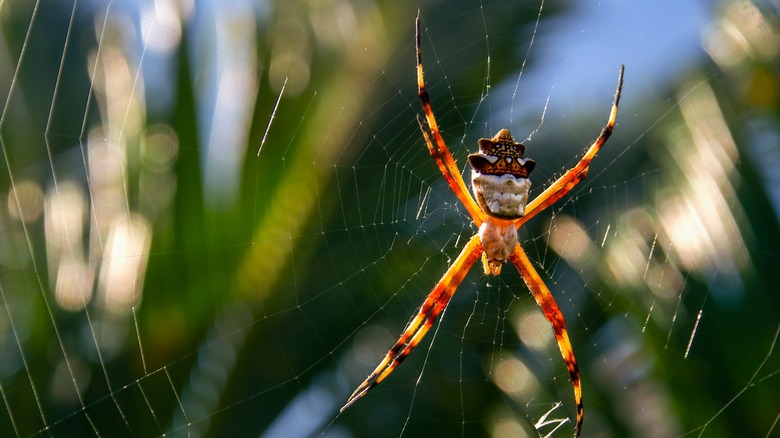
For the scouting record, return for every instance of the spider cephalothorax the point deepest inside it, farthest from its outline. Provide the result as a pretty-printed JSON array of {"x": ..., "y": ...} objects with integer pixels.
[
  {"x": 499, "y": 179},
  {"x": 499, "y": 176}
]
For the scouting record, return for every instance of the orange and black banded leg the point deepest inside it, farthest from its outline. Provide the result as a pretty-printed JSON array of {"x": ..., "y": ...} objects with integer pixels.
[
  {"x": 552, "y": 312},
  {"x": 418, "y": 327},
  {"x": 438, "y": 148},
  {"x": 573, "y": 176}
]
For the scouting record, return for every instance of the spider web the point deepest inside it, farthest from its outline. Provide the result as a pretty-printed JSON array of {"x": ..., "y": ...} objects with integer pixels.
[{"x": 217, "y": 216}]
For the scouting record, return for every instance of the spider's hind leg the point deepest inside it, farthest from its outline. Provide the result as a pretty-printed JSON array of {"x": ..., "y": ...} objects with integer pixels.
[{"x": 437, "y": 147}]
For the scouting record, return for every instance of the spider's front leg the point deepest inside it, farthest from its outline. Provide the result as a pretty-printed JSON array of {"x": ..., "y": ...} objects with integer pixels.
[
  {"x": 546, "y": 302},
  {"x": 539, "y": 290},
  {"x": 418, "y": 327}
]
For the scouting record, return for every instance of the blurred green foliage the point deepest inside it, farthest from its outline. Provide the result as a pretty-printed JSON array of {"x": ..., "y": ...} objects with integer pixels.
[{"x": 285, "y": 296}]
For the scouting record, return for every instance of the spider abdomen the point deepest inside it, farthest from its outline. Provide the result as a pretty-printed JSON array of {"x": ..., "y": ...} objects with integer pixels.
[
  {"x": 499, "y": 176},
  {"x": 501, "y": 196}
]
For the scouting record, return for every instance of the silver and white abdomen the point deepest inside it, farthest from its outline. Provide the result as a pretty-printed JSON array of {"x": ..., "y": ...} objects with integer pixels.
[
  {"x": 503, "y": 196},
  {"x": 499, "y": 176}
]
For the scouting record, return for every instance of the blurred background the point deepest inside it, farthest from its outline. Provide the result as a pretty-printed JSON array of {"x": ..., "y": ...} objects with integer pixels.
[{"x": 215, "y": 217}]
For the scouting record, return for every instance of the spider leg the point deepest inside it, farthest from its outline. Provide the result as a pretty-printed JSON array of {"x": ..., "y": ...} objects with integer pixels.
[
  {"x": 552, "y": 312},
  {"x": 573, "y": 176},
  {"x": 438, "y": 148},
  {"x": 418, "y": 327}
]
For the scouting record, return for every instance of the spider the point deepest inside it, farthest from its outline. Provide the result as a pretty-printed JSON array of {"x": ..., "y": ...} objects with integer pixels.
[{"x": 499, "y": 180}]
